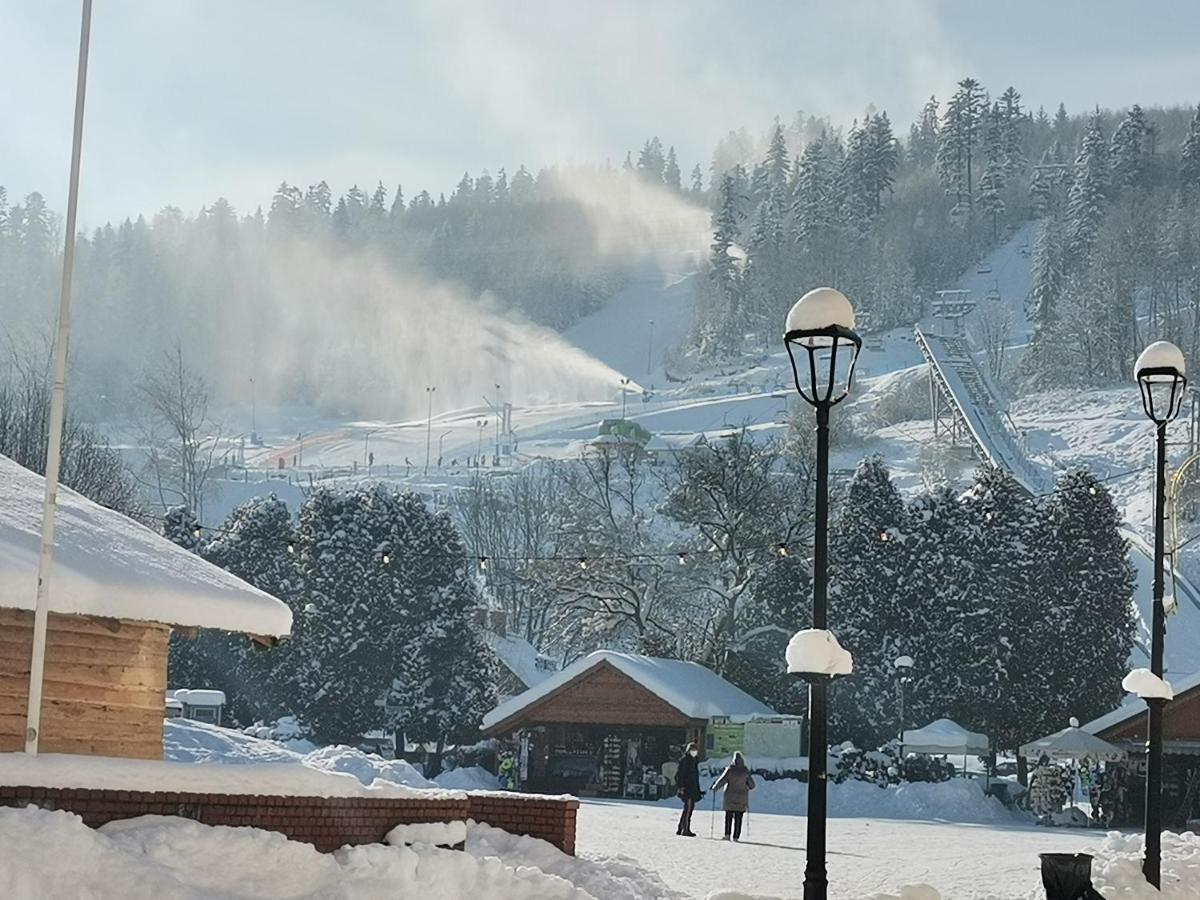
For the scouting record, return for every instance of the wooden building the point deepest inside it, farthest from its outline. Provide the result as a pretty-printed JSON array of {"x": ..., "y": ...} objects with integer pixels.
[
  {"x": 607, "y": 723},
  {"x": 1126, "y": 728},
  {"x": 117, "y": 590}
]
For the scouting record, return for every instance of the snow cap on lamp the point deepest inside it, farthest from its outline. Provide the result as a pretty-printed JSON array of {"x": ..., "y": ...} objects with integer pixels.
[
  {"x": 903, "y": 662},
  {"x": 1161, "y": 355},
  {"x": 1147, "y": 685},
  {"x": 815, "y": 651},
  {"x": 820, "y": 308}
]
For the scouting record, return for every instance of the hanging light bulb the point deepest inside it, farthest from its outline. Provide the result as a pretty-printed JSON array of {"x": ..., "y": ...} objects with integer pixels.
[
  {"x": 683, "y": 559},
  {"x": 196, "y": 532},
  {"x": 783, "y": 550},
  {"x": 583, "y": 562},
  {"x": 1092, "y": 490},
  {"x": 291, "y": 546},
  {"x": 885, "y": 535},
  {"x": 386, "y": 558},
  {"x": 483, "y": 561}
]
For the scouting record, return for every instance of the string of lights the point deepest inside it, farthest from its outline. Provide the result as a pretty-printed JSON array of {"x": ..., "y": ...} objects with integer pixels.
[{"x": 780, "y": 548}]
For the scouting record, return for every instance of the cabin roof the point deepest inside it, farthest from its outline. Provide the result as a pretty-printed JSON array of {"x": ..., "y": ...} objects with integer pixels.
[
  {"x": 696, "y": 692},
  {"x": 105, "y": 564}
]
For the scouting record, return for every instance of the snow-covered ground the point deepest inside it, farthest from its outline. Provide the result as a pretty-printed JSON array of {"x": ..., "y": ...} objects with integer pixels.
[{"x": 868, "y": 856}]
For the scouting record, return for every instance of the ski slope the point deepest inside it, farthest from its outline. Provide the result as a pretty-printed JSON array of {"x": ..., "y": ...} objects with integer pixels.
[{"x": 954, "y": 357}]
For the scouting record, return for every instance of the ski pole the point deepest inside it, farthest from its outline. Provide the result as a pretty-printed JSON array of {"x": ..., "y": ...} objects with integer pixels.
[{"x": 712, "y": 819}]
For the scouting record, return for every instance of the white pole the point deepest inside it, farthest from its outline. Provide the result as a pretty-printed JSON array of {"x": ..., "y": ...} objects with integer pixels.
[{"x": 41, "y": 613}]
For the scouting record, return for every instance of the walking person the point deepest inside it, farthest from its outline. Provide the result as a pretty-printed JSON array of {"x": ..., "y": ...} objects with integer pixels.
[
  {"x": 737, "y": 782},
  {"x": 687, "y": 787}
]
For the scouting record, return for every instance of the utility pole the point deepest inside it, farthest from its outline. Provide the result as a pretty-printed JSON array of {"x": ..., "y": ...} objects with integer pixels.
[
  {"x": 624, "y": 394},
  {"x": 429, "y": 392},
  {"x": 41, "y": 613},
  {"x": 496, "y": 461},
  {"x": 650, "y": 353}
]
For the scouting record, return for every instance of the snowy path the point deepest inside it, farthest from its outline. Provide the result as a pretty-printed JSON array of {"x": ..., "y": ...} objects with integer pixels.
[{"x": 965, "y": 862}]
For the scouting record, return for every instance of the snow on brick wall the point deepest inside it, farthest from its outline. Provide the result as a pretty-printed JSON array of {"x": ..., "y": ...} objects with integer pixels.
[{"x": 325, "y": 822}]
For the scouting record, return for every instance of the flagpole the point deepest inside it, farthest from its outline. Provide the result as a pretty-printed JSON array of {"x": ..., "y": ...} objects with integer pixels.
[{"x": 41, "y": 614}]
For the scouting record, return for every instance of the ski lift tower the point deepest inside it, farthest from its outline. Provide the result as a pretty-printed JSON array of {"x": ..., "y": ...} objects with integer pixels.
[{"x": 951, "y": 306}]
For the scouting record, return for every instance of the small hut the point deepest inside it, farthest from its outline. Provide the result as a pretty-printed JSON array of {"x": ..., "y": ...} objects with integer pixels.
[{"x": 117, "y": 590}]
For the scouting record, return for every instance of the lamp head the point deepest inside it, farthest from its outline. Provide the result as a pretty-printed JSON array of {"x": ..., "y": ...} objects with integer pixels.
[
  {"x": 822, "y": 345},
  {"x": 1161, "y": 373}
]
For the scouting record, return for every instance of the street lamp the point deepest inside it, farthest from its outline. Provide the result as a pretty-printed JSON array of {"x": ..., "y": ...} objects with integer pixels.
[
  {"x": 904, "y": 667},
  {"x": 1160, "y": 373},
  {"x": 496, "y": 458},
  {"x": 429, "y": 392},
  {"x": 480, "y": 424},
  {"x": 823, "y": 348},
  {"x": 624, "y": 393}
]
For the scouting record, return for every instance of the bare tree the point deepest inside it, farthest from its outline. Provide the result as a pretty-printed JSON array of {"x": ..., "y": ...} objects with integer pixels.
[
  {"x": 741, "y": 504},
  {"x": 995, "y": 329},
  {"x": 89, "y": 465},
  {"x": 181, "y": 439}
]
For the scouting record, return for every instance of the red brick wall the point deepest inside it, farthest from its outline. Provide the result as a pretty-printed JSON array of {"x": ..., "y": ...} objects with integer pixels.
[
  {"x": 325, "y": 822},
  {"x": 550, "y": 819}
]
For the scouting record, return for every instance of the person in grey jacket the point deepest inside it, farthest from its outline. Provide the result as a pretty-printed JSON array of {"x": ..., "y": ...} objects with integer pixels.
[{"x": 737, "y": 783}]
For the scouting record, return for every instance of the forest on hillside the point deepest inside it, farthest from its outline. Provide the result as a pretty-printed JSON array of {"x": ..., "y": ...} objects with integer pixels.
[{"x": 886, "y": 215}]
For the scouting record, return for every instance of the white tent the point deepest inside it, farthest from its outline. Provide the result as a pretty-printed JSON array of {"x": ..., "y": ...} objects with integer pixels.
[
  {"x": 1073, "y": 743},
  {"x": 944, "y": 737}
]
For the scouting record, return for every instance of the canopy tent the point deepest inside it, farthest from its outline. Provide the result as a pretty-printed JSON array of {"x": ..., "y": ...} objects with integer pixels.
[
  {"x": 1073, "y": 743},
  {"x": 945, "y": 738}
]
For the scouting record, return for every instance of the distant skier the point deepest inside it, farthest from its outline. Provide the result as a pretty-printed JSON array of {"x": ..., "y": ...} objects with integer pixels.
[
  {"x": 687, "y": 787},
  {"x": 737, "y": 783}
]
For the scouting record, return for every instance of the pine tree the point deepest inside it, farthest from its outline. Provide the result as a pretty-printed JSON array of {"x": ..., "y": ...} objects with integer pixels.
[
  {"x": 697, "y": 189},
  {"x": 1089, "y": 190},
  {"x": 1189, "y": 156},
  {"x": 959, "y": 139},
  {"x": 882, "y": 158},
  {"x": 671, "y": 175},
  {"x": 924, "y": 137},
  {"x": 1039, "y": 193},
  {"x": 991, "y": 183},
  {"x": 812, "y": 189},
  {"x": 726, "y": 229},
  {"x": 1088, "y": 594},
  {"x": 651, "y": 162},
  {"x": 778, "y": 164},
  {"x": 1131, "y": 151},
  {"x": 1011, "y": 120},
  {"x": 865, "y": 604}
]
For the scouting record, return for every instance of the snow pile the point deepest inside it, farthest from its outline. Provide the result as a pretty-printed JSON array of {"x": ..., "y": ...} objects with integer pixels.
[
  {"x": 1117, "y": 869},
  {"x": 60, "y": 770},
  {"x": 468, "y": 778},
  {"x": 53, "y": 854},
  {"x": 285, "y": 730},
  {"x": 366, "y": 767},
  {"x": 607, "y": 878},
  {"x": 186, "y": 741},
  {"x": 1147, "y": 685},
  {"x": 957, "y": 800},
  {"x": 438, "y": 834}
]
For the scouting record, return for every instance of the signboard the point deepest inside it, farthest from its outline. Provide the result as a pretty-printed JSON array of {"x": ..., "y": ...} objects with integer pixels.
[{"x": 725, "y": 740}]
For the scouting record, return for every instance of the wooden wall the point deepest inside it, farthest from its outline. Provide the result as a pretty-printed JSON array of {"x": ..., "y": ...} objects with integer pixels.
[
  {"x": 104, "y": 685},
  {"x": 603, "y": 695},
  {"x": 1181, "y": 722}
]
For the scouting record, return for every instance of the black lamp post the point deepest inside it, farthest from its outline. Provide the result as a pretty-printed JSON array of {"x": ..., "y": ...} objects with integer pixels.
[
  {"x": 1161, "y": 379},
  {"x": 904, "y": 667},
  {"x": 823, "y": 348}
]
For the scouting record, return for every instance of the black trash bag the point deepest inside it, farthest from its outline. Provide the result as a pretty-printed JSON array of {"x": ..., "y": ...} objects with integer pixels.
[{"x": 1068, "y": 876}]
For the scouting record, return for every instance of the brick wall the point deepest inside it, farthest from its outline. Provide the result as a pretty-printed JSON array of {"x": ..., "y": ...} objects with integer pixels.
[
  {"x": 551, "y": 819},
  {"x": 325, "y": 822}
]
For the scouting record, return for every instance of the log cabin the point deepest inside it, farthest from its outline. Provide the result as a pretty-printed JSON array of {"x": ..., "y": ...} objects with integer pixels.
[
  {"x": 117, "y": 590},
  {"x": 610, "y": 721}
]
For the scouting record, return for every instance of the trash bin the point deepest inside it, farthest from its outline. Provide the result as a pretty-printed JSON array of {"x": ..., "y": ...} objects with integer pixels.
[{"x": 1068, "y": 876}]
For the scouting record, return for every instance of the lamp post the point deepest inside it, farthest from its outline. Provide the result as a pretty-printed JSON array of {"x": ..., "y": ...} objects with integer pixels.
[
  {"x": 480, "y": 424},
  {"x": 496, "y": 458},
  {"x": 1160, "y": 373},
  {"x": 624, "y": 393},
  {"x": 903, "y": 666},
  {"x": 429, "y": 391},
  {"x": 823, "y": 348}
]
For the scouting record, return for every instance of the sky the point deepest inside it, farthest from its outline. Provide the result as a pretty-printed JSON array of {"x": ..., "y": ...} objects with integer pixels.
[{"x": 189, "y": 100}]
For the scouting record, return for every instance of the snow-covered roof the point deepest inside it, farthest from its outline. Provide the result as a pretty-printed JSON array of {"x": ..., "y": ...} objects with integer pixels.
[
  {"x": 519, "y": 657},
  {"x": 944, "y": 736},
  {"x": 1135, "y": 706},
  {"x": 105, "y": 564},
  {"x": 695, "y": 691},
  {"x": 1073, "y": 743}
]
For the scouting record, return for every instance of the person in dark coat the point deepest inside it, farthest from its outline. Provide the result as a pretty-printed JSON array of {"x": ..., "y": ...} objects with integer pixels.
[
  {"x": 687, "y": 787},
  {"x": 737, "y": 782}
]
